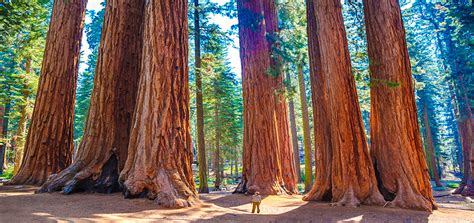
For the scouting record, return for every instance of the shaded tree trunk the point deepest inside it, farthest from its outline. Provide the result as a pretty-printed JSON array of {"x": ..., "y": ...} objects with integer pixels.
[
  {"x": 160, "y": 153},
  {"x": 267, "y": 146},
  {"x": 49, "y": 144},
  {"x": 217, "y": 150},
  {"x": 308, "y": 164},
  {"x": 294, "y": 134},
  {"x": 395, "y": 134},
  {"x": 4, "y": 136},
  {"x": 344, "y": 172},
  {"x": 430, "y": 150},
  {"x": 203, "y": 187},
  {"x": 2, "y": 141},
  {"x": 24, "y": 117},
  {"x": 103, "y": 150}
]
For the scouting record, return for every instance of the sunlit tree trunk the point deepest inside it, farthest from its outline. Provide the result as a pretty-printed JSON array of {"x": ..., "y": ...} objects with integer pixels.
[
  {"x": 430, "y": 146},
  {"x": 294, "y": 133},
  {"x": 268, "y": 165},
  {"x": 308, "y": 164},
  {"x": 344, "y": 171},
  {"x": 49, "y": 144},
  {"x": 395, "y": 134},
  {"x": 160, "y": 153},
  {"x": 203, "y": 187},
  {"x": 103, "y": 150},
  {"x": 288, "y": 172}
]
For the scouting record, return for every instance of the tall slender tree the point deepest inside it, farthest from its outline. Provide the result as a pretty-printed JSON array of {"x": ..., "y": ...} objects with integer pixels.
[
  {"x": 103, "y": 149},
  {"x": 263, "y": 110},
  {"x": 203, "y": 188},
  {"x": 308, "y": 168},
  {"x": 344, "y": 171},
  {"x": 395, "y": 135},
  {"x": 160, "y": 154},
  {"x": 49, "y": 144}
]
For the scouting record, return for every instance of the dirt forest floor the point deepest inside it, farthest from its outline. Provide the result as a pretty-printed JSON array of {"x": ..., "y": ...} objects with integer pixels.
[{"x": 20, "y": 204}]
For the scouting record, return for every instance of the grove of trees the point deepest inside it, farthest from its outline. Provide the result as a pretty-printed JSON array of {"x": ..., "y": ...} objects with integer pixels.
[{"x": 358, "y": 102}]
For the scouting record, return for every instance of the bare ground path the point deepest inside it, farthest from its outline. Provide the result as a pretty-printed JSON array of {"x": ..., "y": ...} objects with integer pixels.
[{"x": 20, "y": 204}]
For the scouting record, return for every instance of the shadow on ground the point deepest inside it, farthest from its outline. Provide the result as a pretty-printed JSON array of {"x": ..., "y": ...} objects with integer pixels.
[{"x": 19, "y": 204}]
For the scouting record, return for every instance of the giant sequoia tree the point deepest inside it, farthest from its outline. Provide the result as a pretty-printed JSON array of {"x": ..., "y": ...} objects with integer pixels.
[
  {"x": 268, "y": 165},
  {"x": 160, "y": 153},
  {"x": 103, "y": 150},
  {"x": 395, "y": 135},
  {"x": 49, "y": 145},
  {"x": 344, "y": 172}
]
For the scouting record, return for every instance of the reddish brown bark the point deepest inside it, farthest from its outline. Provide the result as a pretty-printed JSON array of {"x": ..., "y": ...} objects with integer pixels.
[
  {"x": 284, "y": 135},
  {"x": 430, "y": 150},
  {"x": 268, "y": 165},
  {"x": 103, "y": 150},
  {"x": 49, "y": 143},
  {"x": 160, "y": 154},
  {"x": 395, "y": 134},
  {"x": 344, "y": 172}
]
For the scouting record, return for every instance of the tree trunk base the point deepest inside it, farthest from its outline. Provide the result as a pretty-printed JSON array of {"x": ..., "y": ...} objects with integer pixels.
[
  {"x": 166, "y": 188},
  {"x": 464, "y": 190},
  {"x": 408, "y": 199},
  {"x": 348, "y": 199},
  {"x": 79, "y": 178}
]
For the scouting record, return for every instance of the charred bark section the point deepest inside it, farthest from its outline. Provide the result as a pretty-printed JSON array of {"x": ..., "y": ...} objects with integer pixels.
[
  {"x": 49, "y": 144},
  {"x": 103, "y": 150},
  {"x": 160, "y": 153},
  {"x": 344, "y": 171},
  {"x": 395, "y": 134}
]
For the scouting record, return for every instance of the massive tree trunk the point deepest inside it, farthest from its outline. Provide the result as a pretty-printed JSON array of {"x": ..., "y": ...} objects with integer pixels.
[
  {"x": 430, "y": 150},
  {"x": 267, "y": 146},
  {"x": 344, "y": 171},
  {"x": 308, "y": 164},
  {"x": 49, "y": 144},
  {"x": 103, "y": 150},
  {"x": 294, "y": 133},
  {"x": 160, "y": 154},
  {"x": 203, "y": 187},
  {"x": 276, "y": 66},
  {"x": 395, "y": 134}
]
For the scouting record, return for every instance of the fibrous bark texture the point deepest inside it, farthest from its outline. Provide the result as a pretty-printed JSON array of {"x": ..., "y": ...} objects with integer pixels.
[
  {"x": 268, "y": 165},
  {"x": 395, "y": 134},
  {"x": 49, "y": 144},
  {"x": 344, "y": 171},
  {"x": 103, "y": 150},
  {"x": 203, "y": 187},
  {"x": 160, "y": 153}
]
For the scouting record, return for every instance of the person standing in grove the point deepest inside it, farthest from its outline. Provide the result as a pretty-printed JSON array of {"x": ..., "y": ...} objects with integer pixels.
[{"x": 256, "y": 200}]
